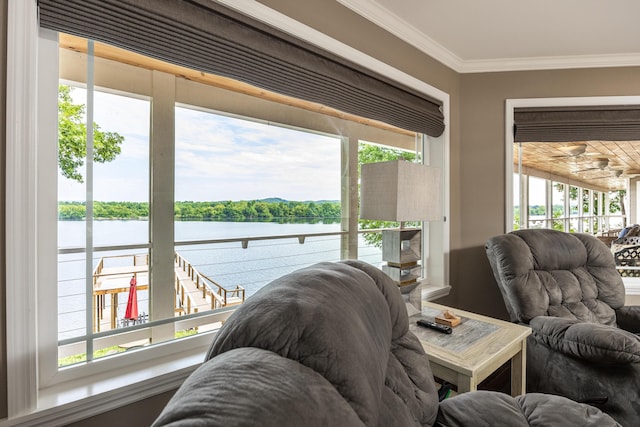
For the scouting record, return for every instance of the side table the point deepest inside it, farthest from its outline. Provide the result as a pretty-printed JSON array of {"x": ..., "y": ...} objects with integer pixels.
[{"x": 474, "y": 350}]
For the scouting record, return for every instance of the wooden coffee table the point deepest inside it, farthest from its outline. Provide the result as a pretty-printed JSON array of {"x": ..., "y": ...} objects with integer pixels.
[{"x": 475, "y": 349}]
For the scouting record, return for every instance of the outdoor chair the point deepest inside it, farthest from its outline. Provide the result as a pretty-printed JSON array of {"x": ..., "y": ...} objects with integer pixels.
[
  {"x": 626, "y": 251},
  {"x": 583, "y": 343},
  {"x": 607, "y": 237}
]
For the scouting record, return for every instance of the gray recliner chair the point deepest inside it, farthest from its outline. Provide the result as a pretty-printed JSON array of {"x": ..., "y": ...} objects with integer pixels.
[
  {"x": 329, "y": 345},
  {"x": 583, "y": 343}
]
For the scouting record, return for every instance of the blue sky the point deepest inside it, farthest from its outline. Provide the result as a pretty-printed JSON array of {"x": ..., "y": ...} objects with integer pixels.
[{"x": 217, "y": 157}]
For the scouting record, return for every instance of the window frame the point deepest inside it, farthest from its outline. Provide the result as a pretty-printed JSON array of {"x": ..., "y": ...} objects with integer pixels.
[
  {"x": 512, "y": 104},
  {"x": 37, "y": 394},
  {"x": 632, "y": 286}
]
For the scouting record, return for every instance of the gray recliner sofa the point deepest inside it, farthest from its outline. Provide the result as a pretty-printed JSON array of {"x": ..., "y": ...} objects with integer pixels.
[
  {"x": 329, "y": 345},
  {"x": 583, "y": 344}
]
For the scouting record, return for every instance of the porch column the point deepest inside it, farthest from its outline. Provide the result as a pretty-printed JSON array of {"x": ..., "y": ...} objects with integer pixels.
[{"x": 632, "y": 213}]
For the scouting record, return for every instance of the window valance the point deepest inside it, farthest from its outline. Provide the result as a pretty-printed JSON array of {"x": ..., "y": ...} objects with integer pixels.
[
  {"x": 569, "y": 124},
  {"x": 208, "y": 37}
]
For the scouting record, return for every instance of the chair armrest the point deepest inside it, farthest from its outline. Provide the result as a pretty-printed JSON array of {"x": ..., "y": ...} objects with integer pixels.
[
  {"x": 593, "y": 342},
  {"x": 489, "y": 408},
  {"x": 628, "y": 318}
]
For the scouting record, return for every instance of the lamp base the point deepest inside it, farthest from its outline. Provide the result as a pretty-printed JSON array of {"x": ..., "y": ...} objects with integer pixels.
[
  {"x": 404, "y": 275},
  {"x": 405, "y": 289}
]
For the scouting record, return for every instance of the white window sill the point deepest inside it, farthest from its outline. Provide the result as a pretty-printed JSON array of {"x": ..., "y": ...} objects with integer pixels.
[
  {"x": 426, "y": 292},
  {"x": 631, "y": 285},
  {"x": 72, "y": 401},
  {"x": 433, "y": 292},
  {"x": 76, "y": 400}
]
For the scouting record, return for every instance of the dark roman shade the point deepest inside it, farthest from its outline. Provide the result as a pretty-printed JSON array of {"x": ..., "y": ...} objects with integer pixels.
[
  {"x": 569, "y": 124},
  {"x": 208, "y": 37}
]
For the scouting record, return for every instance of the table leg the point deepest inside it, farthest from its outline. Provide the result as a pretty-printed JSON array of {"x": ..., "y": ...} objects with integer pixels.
[
  {"x": 466, "y": 384},
  {"x": 518, "y": 371}
]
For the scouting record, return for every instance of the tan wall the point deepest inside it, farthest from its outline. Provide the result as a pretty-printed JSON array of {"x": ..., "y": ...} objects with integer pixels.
[
  {"x": 141, "y": 413},
  {"x": 482, "y": 161},
  {"x": 632, "y": 300}
]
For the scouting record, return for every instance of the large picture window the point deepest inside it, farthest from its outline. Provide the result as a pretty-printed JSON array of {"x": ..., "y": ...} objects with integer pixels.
[
  {"x": 573, "y": 167},
  {"x": 80, "y": 337},
  {"x": 100, "y": 204},
  {"x": 157, "y": 245},
  {"x": 234, "y": 179}
]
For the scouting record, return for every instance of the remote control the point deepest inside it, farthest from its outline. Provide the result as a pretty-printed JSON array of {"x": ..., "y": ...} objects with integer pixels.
[{"x": 433, "y": 325}]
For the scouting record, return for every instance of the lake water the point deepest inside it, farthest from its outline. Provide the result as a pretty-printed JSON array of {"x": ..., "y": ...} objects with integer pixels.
[{"x": 226, "y": 263}]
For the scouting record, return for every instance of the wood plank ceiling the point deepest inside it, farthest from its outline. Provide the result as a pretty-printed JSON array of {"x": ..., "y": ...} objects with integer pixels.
[
  {"x": 596, "y": 164},
  {"x": 79, "y": 44}
]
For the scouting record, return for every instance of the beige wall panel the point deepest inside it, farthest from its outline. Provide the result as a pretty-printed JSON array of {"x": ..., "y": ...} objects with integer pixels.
[
  {"x": 73, "y": 67},
  {"x": 141, "y": 413},
  {"x": 482, "y": 160}
]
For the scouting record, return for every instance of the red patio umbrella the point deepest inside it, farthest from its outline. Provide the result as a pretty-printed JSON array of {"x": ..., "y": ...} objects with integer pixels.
[{"x": 131, "y": 312}]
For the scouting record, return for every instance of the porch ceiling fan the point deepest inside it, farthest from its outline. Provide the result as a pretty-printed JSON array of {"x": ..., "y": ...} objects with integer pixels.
[
  {"x": 630, "y": 173},
  {"x": 617, "y": 172},
  {"x": 599, "y": 163},
  {"x": 572, "y": 150}
]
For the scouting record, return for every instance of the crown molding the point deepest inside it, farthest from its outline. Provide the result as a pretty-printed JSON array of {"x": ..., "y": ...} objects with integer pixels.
[
  {"x": 391, "y": 22},
  {"x": 550, "y": 63}
]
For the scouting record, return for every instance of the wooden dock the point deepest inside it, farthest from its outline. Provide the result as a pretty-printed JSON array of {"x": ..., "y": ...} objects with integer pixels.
[{"x": 194, "y": 292}]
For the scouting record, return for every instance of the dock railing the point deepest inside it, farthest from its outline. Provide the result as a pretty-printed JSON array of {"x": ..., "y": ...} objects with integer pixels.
[
  {"x": 218, "y": 295},
  {"x": 98, "y": 271},
  {"x": 74, "y": 341},
  {"x": 228, "y": 296},
  {"x": 138, "y": 260}
]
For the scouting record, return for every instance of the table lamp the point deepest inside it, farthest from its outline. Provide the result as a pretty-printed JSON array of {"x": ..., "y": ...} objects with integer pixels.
[{"x": 401, "y": 191}]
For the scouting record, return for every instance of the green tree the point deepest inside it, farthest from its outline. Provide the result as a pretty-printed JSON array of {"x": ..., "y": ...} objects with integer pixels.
[
  {"x": 369, "y": 153},
  {"x": 616, "y": 204},
  {"x": 616, "y": 201},
  {"x": 262, "y": 210},
  {"x": 228, "y": 210},
  {"x": 75, "y": 211},
  {"x": 72, "y": 138}
]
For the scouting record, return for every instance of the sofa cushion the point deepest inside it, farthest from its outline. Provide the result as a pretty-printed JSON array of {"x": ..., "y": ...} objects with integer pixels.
[
  {"x": 550, "y": 273},
  {"x": 338, "y": 320},
  {"x": 250, "y": 386},
  {"x": 389, "y": 290},
  {"x": 589, "y": 341},
  {"x": 489, "y": 409},
  {"x": 628, "y": 318}
]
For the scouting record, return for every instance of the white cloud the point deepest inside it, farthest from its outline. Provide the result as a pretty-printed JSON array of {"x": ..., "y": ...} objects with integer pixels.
[
  {"x": 217, "y": 157},
  {"x": 239, "y": 159}
]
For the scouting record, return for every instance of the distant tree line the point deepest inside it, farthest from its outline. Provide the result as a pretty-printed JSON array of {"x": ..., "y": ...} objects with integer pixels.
[{"x": 227, "y": 210}]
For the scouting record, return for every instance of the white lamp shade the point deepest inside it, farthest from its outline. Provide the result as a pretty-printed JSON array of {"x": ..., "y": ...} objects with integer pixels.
[{"x": 400, "y": 191}]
